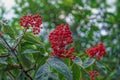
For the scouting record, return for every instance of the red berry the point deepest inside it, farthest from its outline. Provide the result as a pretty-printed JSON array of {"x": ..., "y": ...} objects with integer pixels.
[
  {"x": 60, "y": 38},
  {"x": 93, "y": 74},
  {"x": 98, "y": 51},
  {"x": 31, "y": 21}
]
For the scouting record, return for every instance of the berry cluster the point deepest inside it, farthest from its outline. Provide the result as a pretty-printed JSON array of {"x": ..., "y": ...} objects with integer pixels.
[
  {"x": 60, "y": 38},
  {"x": 98, "y": 51},
  {"x": 31, "y": 20},
  {"x": 93, "y": 74}
]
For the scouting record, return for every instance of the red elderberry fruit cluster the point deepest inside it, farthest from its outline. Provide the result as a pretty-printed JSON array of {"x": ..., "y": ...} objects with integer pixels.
[
  {"x": 33, "y": 21},
  {"x": 93, "y": 74},
  {"x": 98, "y": 51},
  {"x": 60, "y": 39}
]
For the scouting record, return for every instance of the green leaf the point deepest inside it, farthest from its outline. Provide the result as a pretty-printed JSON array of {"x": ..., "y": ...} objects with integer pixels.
[
  {"x": 8, "y": 30},
  {"x": 95, "y": 28},
  {"x": 88, "y": 62},
  {"x": 33, "y": 39},
  {"x": 60, "y": 66},
  {"x": 94, "y": 4},
  {"x": 43, "y": 72},
  {"x": 0, "y": 27},
  {"x": 79, "y": 2},
  {"x": 67, "y": 61},
  {"x": 30, "y": 51},
  {"x": 78, "y": 61},
  {"x": 25, "y": 61},
  {"x": 3, "y": 75},
  {"x": 102, "y": 67},
  {"x": 21, "y": 76},
  {"x": 53, "y": 76},
  {"x": 2, "y": 47},
  {"x": 112, "y": 73},
  {"x": 3, "y": 60},
  {"x": 40, "y": 60},
  {"x": 76, "y": 72},
  {"x": 9, "y": 67}
]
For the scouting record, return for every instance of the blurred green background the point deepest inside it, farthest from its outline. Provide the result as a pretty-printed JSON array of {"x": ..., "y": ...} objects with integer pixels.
[{"x": 91, "y": 21}]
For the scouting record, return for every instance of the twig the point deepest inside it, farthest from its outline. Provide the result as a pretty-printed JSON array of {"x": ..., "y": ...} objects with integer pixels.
[
  {"x": 10, "y": 75},
  {"x": 5, "y": 55},
  {"x": 28, "y": 75},
  {"x": 20, "y": 39},
  {"x": 33, "y": 68},
  {"x": 5, "y": 41},
  {"x": 13, "y": 50},
  {"x": 15, "y": 66},
  {"x": 21, "y": 67}
]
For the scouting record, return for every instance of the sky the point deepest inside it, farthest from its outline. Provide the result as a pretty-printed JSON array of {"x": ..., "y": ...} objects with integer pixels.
[{"x": 8, "y": 5}]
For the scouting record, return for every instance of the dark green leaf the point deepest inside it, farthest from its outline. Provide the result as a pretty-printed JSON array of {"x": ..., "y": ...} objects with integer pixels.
[
  {"x": 32, "y": 38},
  {"x": 0, "y": 27},
  {"x": 3, "y": 60},
  {"x": 102, "y": 67},
  {"x": 53, "y": 76},
  {"x": 88, "y": 62},
  {"x": 2, "y": 47},
  {"x": 25, "y": 61},
  {"x": 76, "y": 72},
  {"x": 8, "y": 30},
  {"x": 21, "y": 76},
  {"x": 30, "y": 51},
  {"x": 3, "y": 75},
  {"x": 9, "y": 67},
  {"x": 43, "y": 72},
  {"x": 78, "y": 61},
  {"x": 60, "y": 66},
  {"x": 112, "y": 73},
  {"x": 95, "y": 28}
]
